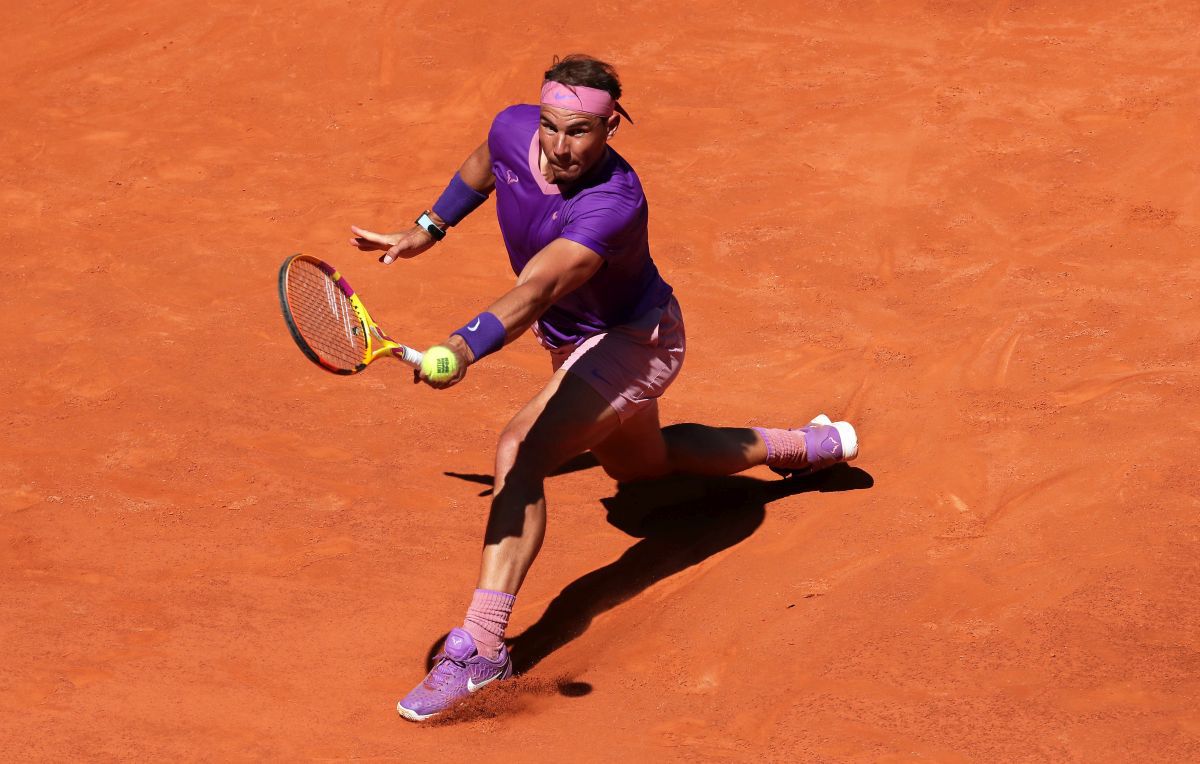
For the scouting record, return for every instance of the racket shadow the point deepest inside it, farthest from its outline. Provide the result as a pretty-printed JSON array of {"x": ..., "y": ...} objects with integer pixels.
[{"x": 680, "y": 521}]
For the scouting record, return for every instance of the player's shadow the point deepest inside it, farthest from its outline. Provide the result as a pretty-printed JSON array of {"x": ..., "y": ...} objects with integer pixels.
[{"x": 681, "y": 521}]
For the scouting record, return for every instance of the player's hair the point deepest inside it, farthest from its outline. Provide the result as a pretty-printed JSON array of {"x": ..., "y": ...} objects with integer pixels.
[{"x": 582, "y": 69}]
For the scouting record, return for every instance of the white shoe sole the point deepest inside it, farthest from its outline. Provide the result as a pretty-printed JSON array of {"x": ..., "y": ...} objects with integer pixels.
[{"x": 412, "y": 715}]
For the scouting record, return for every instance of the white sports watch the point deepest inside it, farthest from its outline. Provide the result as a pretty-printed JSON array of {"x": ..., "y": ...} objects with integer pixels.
[{"x": 434, "y": 230}]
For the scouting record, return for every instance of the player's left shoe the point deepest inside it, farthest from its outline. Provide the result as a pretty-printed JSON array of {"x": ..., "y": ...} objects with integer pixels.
[
  {"x": 825, "y": 444},
  {"x": 458, "y": 671}
]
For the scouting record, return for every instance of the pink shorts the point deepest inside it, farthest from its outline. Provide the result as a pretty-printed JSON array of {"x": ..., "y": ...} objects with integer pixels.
[{"x": 630, "y": 365}]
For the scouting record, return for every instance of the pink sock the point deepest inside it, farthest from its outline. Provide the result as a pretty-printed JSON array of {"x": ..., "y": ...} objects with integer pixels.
[
  {"x": 785, "y": 448},
  {"x": 487, "y": 618}
]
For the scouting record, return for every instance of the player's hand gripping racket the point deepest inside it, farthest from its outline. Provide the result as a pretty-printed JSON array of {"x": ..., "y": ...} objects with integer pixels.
[{"x": 329, "y": 322}]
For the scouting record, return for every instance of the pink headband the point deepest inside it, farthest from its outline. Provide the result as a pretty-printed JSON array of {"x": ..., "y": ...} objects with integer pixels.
[{"x": 580, "y": 98}]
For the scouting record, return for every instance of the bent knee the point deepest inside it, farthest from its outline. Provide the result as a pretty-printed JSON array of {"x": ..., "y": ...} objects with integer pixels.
[{"x": 508, "y": 446}]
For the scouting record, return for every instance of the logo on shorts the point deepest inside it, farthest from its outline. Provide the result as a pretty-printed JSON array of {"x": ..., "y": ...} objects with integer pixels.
[{"x": 510, "y": 177}]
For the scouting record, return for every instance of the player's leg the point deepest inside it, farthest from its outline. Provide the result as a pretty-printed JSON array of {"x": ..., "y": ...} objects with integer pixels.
[
  {"x": 640, "y": 448},
  {"x": 565, "y": 419},
  {"x": 650, "y": 353}
]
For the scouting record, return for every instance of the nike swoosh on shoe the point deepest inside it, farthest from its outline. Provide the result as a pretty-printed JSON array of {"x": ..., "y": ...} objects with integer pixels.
[{"x": 472, "y": 687}]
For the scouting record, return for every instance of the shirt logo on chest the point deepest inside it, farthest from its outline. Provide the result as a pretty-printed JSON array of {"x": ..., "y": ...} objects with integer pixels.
[{"x": 510, "y": 177}]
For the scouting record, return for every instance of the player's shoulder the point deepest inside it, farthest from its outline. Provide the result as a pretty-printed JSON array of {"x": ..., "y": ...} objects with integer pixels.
[
  {"x": 512, "y": 128},
  {"x": 517, "y": 115}
]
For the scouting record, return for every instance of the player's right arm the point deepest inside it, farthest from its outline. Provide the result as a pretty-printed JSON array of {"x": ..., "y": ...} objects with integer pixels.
[
  {"x": 475, "y": 172},
  {"x": 560, "y": 268}
]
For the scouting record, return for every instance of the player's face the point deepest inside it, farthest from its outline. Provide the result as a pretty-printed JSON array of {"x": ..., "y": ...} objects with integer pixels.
[{"x": 573, "y": 142}]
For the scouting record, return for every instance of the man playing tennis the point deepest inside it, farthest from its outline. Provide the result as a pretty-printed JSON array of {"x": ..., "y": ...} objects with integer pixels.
[{"x": 573, "y": 217}]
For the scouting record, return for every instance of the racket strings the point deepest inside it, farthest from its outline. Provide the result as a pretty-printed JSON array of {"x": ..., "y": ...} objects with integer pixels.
[
  {"x": 324, "y": 316},
  {"x": 338, "y": 302}
]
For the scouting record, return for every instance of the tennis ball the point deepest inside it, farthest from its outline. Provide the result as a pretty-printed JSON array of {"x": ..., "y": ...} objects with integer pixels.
[{"x": 439, "y": 364}]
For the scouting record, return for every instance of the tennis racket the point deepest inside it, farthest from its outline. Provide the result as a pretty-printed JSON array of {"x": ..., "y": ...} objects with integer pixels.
[{"x": 328, "y": 321}]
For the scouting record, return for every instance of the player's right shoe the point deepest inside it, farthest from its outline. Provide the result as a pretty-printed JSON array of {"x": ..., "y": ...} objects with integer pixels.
[
  {"x": 458, "y": 671},
  {"x": 825, "y": 443}
]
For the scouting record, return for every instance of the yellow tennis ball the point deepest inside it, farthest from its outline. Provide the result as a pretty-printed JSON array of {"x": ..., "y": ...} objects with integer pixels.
[{"x": 439, "y": 364}]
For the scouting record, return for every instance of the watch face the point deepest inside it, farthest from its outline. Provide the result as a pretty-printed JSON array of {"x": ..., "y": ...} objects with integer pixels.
[{"x": 430, "y": 227}]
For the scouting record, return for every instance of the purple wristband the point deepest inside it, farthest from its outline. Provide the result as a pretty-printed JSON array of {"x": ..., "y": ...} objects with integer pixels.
[
  {"x": 484, "y": 335},
  {"x": 457, "y": 201}
]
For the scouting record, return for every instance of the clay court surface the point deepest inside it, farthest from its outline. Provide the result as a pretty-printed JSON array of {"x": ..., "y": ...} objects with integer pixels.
[{"x": 971, "y": 229}]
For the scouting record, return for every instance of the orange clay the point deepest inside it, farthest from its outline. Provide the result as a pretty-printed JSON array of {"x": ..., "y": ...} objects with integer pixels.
[{"x": 970, "y": 229}]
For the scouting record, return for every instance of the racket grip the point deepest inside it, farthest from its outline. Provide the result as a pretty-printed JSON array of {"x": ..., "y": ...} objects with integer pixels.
[{"x": 409, "y": 356}]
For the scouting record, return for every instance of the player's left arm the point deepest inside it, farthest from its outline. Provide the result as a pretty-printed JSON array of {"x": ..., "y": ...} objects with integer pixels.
[
  {"x": 559, "y": 269},
  {"x": 469, "y": 188}
]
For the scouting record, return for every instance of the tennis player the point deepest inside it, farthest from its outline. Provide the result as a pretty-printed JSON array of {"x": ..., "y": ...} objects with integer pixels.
[{"x": 573, "y": 216}]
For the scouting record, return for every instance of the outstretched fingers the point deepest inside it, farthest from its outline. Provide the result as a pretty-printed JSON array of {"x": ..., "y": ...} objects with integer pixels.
[{"x": 369, "y": 241}]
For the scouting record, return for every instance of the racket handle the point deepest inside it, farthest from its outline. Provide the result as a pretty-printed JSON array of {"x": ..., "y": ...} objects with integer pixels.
[{"x": 409, "y": 356}]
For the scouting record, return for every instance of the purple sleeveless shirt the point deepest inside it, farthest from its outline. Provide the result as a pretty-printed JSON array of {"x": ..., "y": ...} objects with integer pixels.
[{"x": 607, "y": 214}]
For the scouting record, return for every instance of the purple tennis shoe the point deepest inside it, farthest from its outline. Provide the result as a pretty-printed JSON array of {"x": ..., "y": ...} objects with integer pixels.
[
  {"x": 825, "y": 443},
  {"x": 458, "y": 671}
]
